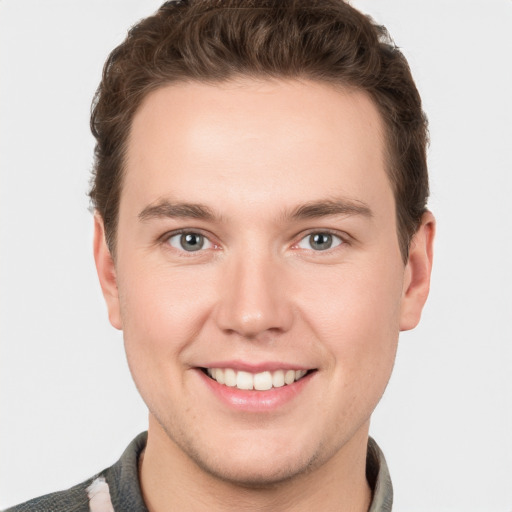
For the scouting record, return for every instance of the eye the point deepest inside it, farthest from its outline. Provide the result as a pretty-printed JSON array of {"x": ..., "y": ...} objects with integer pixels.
[
  {"x": 320, "y": 241},
  {"x": 189, "y": 241}
]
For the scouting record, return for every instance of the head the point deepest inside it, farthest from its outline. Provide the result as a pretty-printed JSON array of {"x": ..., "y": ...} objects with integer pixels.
[
  {"x": 216, "y": 41},
  {"x": 260, "y": 188}
]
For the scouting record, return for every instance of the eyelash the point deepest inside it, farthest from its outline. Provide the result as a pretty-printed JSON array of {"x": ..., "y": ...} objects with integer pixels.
[
  {"x": 165, "y": 239},
  {"x": 342, "y": 239}
]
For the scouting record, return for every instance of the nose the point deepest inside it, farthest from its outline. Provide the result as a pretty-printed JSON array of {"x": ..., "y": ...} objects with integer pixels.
[{"x": 254, "y": 301}]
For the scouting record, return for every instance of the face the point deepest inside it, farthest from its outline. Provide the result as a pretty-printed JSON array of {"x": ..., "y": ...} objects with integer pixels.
[{"x": 257, "y": 248}]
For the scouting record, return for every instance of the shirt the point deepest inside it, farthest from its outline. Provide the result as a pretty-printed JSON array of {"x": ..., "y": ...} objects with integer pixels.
[{"x": 117, "y": 488}]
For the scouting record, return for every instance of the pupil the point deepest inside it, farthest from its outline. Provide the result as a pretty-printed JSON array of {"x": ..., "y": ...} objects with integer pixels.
[
  {"x": 192, "y": 241},
  {"x": 321, "y": 241}
]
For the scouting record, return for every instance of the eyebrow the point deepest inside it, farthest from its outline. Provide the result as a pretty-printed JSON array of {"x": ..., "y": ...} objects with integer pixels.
[
  {"x": 326, "y": 208},
  {"x": 310, "y": 210},
  {"x": 176, "y": 210}
]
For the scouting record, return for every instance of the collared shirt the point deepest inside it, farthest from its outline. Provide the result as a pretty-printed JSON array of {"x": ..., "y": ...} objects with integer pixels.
[
  {"x": 377, "y": 474},
  {"x": 117, "y": 488}
]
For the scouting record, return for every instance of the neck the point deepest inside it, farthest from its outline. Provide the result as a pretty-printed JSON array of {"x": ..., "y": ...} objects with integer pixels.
[{"x": 172, "y": 482}]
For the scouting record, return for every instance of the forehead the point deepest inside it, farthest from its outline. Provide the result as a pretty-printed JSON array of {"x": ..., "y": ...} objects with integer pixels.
[{"x": 273, "y": 142}]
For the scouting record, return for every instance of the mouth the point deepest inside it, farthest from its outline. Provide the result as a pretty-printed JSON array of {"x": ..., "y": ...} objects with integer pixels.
[{"x": 262, "y": 381}]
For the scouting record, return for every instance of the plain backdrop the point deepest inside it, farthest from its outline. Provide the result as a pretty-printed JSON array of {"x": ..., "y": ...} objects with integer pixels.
[{"x": 68, "y": 406}]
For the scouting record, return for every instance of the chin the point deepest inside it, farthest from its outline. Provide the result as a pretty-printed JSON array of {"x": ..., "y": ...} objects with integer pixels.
[
  {"x": 264, "y": 473},
  {"x": 245, "y": 462}
]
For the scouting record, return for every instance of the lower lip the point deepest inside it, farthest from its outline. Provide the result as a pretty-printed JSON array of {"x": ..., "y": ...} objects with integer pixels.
[{"x": 256, "y": 401}]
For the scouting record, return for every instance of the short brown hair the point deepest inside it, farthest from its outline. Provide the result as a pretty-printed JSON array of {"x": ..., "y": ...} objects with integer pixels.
[{"x": 217, "y": 40}]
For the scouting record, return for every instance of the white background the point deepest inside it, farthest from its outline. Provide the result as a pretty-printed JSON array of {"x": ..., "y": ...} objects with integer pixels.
[{"x": 68, "y": 406}]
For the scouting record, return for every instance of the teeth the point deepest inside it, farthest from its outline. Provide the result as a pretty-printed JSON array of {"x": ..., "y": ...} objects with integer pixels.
[
  {"x": 259, "y": 381},
  {"x": 262, "y": 381},
  {"x": 289, "y": 377},
  {"x": 278, "y": 379},
  {"x": 244, "y": 380},
  {"x": 229, "y": 377},
  {"x": 219, "y": 376}
]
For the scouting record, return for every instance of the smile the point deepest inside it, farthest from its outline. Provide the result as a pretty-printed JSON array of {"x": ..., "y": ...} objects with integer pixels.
[{"x": 262, "y": 381}]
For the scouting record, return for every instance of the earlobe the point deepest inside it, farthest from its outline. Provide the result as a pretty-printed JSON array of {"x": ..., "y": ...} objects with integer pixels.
[
  {"x": 417, "y": 273},
  {"x": 106, "y": 273}
]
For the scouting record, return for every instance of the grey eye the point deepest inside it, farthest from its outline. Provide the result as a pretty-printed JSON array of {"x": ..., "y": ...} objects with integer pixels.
[
  {"x": 189, "y": 242},
  {"x": 320, "y": 241}
]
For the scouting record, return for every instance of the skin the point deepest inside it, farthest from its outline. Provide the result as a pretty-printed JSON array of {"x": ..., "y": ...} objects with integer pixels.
[{"x": 259, "y": 292}]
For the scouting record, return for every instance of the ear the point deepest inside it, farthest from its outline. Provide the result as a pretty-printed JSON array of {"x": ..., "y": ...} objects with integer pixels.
[
  {"x": 417, "y": 273},
  {"x": 106, "y": 272}
]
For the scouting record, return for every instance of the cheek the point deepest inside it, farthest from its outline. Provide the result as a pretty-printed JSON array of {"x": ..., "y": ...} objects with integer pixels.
[
  {"x": 161, "y": 316},
  {"x": 354, "y": 315},
  {"x": 161, "y": 312},
  {"x": 356, "y": 312}
]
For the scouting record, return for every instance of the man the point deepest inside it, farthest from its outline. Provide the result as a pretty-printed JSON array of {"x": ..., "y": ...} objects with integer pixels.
[{"x": 261, "y": 238}]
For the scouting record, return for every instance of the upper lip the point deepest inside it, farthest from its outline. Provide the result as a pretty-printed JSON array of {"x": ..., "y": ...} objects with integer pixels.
[{"x": 251, "y": 367}]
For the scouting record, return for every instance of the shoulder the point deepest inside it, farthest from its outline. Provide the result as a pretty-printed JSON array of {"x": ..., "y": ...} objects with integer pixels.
[
  {"x": 115, "y": 488},
  {"x": 74, "y": 499}
]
